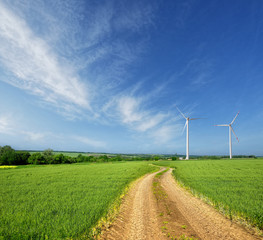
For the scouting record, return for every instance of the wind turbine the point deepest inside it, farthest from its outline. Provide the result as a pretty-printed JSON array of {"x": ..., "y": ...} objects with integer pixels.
[
  {"x": 187, "y": 131},
  {"x": 230, "y": 137}
]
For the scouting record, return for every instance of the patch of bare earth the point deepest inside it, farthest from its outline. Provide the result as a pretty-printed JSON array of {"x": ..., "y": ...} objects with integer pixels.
[{"x": 157, "y": 208}]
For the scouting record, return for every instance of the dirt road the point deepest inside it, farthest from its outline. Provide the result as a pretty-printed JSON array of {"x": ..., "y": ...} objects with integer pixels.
[
  {"x": 157, "y": 208},
  {"x": 137, "y": 218}
]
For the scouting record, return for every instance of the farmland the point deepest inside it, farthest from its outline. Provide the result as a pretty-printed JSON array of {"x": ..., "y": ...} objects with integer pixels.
[
  {"x": 232, "y": 186},
  {"x": 61, "y": 201},
  {"x": 66, "y": 201}
]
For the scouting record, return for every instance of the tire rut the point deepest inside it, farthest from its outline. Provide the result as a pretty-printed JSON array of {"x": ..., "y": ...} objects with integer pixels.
[
  {"x": 137, "y": 219},
  {"x": 168, "y": 211}
]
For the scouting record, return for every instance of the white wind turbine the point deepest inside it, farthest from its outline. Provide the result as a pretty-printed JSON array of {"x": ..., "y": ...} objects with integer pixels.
[
  {"x": 187, "y": 131},
  {"x": 230, "y": 137}
]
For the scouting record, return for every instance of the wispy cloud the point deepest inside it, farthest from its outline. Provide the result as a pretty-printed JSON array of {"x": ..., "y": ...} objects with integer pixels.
[
  {"x": 135, "y": 17},
  {"x": 35, "y": 67},
  {"x": 166, "y": 133},
  {"x": 150, "y": 122},
  {"x": 5, "y": 125},
  {"x": 76, "y": 64},
  {"x": 198, "y": 72},
  {"x": 129, "y": 108},
  {"x": 133, "y": 111},
  {"x": 34, "y": 136},
  {"x": 67, "y": 54},
  {"x": 9, "y": 126}
]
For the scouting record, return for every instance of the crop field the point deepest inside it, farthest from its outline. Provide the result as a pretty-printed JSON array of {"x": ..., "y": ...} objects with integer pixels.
[
  {"x": 61, "y": 201},
  {"x": 235, "y": 187}
]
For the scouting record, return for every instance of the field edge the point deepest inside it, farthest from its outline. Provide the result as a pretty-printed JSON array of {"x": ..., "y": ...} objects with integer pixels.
[{"x": 105, "y": 221}]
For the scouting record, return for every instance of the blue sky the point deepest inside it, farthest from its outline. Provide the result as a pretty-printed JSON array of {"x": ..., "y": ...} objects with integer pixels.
[{"x": 106, "y": 76}]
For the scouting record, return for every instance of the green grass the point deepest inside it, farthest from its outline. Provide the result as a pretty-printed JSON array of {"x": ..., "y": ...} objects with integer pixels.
[
  {"x": 61, "y": 201},
  {"x": 235, "y": 187}
]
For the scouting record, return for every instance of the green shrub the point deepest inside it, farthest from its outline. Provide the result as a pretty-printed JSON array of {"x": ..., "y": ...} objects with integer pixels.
[
  {"x": 22, "y": 158},
  {"x": 48, "y": 155},
  {"x": 36, "y": 158},
  {"x": 7, "y": 155}
]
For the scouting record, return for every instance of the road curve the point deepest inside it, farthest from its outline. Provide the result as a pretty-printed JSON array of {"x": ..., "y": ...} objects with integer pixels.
[{"x": 170, "y": 213}]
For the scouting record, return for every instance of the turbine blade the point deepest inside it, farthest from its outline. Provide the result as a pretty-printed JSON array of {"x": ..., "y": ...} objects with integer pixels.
[
  {"x": 222, "y": 125},
  {"x": 184, "y": 126},
  {"x": 180, "y": 112},
  {"x": 235, "y": 118},
  {"x": 234, "y": 133},
  {"x": 195, "y": 118}
]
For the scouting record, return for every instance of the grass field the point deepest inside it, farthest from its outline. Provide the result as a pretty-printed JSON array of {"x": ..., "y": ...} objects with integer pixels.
[
  {"x": 235, "y": 187},
  {"x": 61, "y": 201}
]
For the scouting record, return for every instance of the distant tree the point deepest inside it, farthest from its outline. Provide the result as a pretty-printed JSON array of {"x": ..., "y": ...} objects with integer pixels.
[
  {"x": 69, "y": 159},
  {"x": 137, "y": 158},
  {"x": 117, "y": 158},
  {"x": 22, "y": 158},
  {"x": 80, "y": 158},
  {"x": 103, "y": 158},
  {"x": 36, "y": 158},
  {"x": 58, "y": 159},
  {"x": 7, "y": 155},
  {"x": 174, "y": 158},
  {"x": 48, "y": 155}
]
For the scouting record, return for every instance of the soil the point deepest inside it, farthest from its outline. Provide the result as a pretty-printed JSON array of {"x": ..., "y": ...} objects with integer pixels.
[{"x": 157, "y": 208}]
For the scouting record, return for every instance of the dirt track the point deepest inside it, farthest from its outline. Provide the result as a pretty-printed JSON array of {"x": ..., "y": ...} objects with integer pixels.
[
  {"x": 157, "y": 208},
  {"x": 137, "y": 218}
]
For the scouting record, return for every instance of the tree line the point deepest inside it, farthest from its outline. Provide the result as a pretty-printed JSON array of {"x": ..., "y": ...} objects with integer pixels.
[{"x": 9, "y": 156}]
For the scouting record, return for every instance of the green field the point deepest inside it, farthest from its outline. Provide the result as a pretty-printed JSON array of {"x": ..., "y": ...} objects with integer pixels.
[
  {"x": 235, "y": 187},
  {"x": 61, "y": 201}
]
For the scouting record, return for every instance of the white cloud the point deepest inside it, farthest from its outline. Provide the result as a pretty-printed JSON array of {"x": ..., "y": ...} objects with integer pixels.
[
  {"x": 5, "y": 126},
  {"x": 34, "y": 136},
  {"x": 9, "y": 126},
  {"x": 166, "y": 133},
  {"x": 129, "y": 109},
  {"x": 132, "y": 113},
  {"x": 35, "y": 67},
  {"x": 150, "y": 122},
  {"x": 67, "y": 54},
  {"x": 39, "y": 65},
  {"x": 134, "y": 17},
  {"x": 158, "y": 127}
]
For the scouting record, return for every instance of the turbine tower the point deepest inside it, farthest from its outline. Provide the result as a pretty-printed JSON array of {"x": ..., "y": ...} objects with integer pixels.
[
  {"x": 187, "y": 131},
  {"x": 230, "y": 137}
]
